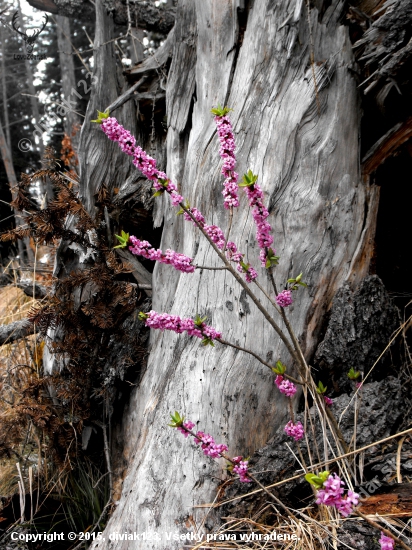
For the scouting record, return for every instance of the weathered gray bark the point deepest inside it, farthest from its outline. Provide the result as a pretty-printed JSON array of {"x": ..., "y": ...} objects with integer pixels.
[
  {"x": 15, "y": 331},
  {"x": 301, "y": 137}
]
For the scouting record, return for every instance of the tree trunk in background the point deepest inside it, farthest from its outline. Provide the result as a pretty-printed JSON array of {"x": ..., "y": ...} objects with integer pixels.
[
  {"x": 30, "y": 85},
  {"x": 23, "y": 245},
  {"x": 68, "y": 77},
  {"x": 4, "y": 87},
  {"x": 300, "y": 134}
]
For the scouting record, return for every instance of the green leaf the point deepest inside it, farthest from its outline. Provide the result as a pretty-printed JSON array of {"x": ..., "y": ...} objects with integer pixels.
[
  {"x": 352, "y": 374},
  {"x": 199, "y": 320},
  {"x": 101, "y": 116},
  {"x": 220, "y": 111},
  {"x": 268, "y": 263},
  {"x": 123, "y": 239},
  {"x": 143, "y": 316},
  {"x": 177, "y": 420},
  {"x": 181, "y": 211},
  {"x": 158, "y": 193},
  {"x": 248, "y": 179},
  {"x": 207, "y": 342},
  {"x": 321, "y": 389},
  {"x": 280, "y": 368},
  {"x": 317, "y": 480}
]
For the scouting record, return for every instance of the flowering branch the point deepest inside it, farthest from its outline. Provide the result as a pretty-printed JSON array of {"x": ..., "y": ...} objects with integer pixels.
[
  {"x": 178, "y": 261},
  {"x": 210, "y": 448},
  {"x": 227, "y": 153},
  {"x": 194, "y": 327}
]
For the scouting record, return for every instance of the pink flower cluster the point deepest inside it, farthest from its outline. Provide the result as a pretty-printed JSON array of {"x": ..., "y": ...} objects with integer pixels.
[
  {"x": 188, "y": 425},
  {"x": 213, "y": 450},
  {"x": 284, "y": 298},
  {"x": 164, "y": 321},
  {"x": 260, "y": 213},
  {"x": 209, "y": 446},
  {"x": 217, "y": 236},
  {"x": 145, "y": 249},
  {"x": 227, "y": 153},
  {"x": 241, "y": 468},
  {"x": 332, "y": 495},
  {"x": 386, "y": 542},
  {"x": 295, "y": 430},
  {"x": 115, "y": 132},
  {"x": 235, "y": 256},
  {"x": 285, "y": 386},
  {"x": 328, "y": 401},
  {"x": 146, "y": 164}
]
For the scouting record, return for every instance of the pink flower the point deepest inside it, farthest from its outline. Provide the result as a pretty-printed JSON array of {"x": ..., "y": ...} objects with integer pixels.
[
  {"x": 196, "y": 214},
  {"x": 284, "y": 298},
  {"x": 117, "y": 133},
  {"x": 295, "y": 430},
  {"x": 332, "y": 495},
  {"x": 386, "y": 542},
  {"x": 285, "y": 386},
  {"x": 188, "y": 425},
  {"x": 209, "y": 446},
  {"x": 241, "y": 469},
  {"x": 328, "y": 401},
  {"x": 164, "y": 321},
  {"x": 215, "y": 234},
  {"x": 176, "y": 199},
  {"x": 227, "y": 153},
  {"x": 346, "y": 505},
  {"x": 260, "y": 213},
  {"x": 178, "y": 261}
]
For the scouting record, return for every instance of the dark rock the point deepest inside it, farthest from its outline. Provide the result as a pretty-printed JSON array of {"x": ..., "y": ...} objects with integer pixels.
[{"x": 360, "y": 327}]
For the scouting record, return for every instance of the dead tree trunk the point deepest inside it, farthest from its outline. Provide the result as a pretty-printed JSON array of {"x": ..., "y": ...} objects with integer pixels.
[
  {"x": 72, "y": 120},
  {"x": 23, "y": 245},
  {"x": 296, "y": 125}
]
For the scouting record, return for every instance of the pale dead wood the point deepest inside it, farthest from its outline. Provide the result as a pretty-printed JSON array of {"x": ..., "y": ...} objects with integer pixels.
[{"x": 15, "y": 331}]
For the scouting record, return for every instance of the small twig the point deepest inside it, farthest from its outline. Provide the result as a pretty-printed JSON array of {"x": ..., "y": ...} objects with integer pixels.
[
  {"x": 398, "y": 459},
  {"x": 126, "y": 96},
  {"x": 211, "y": 268},
  {"x": 226, "y": 343},
  {"x": 267, "y": 296},
  {"x": 229, "y": 227}
]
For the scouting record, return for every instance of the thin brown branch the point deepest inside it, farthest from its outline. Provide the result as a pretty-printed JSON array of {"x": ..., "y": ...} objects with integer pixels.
[{"x": 226, "y": 343}]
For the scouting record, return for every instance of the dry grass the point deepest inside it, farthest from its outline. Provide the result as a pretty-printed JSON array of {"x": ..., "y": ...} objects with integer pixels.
[{"x": 19, "y": 363}]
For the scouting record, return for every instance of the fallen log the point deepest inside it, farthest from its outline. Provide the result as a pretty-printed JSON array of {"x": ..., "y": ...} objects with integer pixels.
[{"x": 15, "y": 331}]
